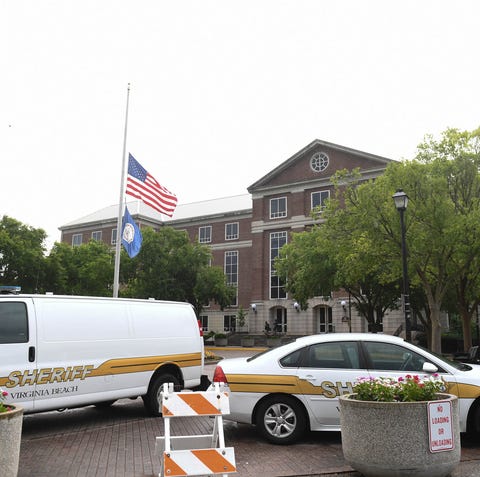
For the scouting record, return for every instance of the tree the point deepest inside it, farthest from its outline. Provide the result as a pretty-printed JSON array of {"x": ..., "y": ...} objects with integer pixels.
[
  {"x": 361, "y": 231},
  {"x": 211, "y": 285},
  {"x": 457, "y": 154},
  {"x": 170, "y": 267},
  {"x": 21, "y": 254},
  {"x": 340, "y": 252},
  {"x": 83, "y": 270},
  {"x": 307, "y": 266}
]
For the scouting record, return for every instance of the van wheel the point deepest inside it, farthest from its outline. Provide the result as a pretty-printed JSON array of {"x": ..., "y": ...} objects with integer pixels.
[{"x": 153, "y": 398}]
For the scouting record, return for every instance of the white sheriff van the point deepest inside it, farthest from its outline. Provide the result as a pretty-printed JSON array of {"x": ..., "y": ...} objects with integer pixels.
[{"x": 60, "y": 352}]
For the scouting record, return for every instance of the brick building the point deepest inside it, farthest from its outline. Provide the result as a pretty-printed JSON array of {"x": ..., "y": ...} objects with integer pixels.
[{"x": 245, "y": 233}]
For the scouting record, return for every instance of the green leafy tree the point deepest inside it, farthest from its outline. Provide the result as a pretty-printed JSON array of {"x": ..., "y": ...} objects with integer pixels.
[
  {"x": 58, "y": 269},
  {"x": 307, "y": 266},
  {"x": 21, "y": 255},
  {"x": 341, "y": 252},
  {"x": 211, "y": 285},
  {"x": 170, "y": 267},
  {"x": 361, "y": 233},
  {"x": 456, "y": 155},
  {"x": 442, "y": 232},
  {"x": 83, "y": 270}
]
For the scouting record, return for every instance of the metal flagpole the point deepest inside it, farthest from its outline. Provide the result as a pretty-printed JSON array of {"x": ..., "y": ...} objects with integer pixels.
[{"x": 118, "y": 241}]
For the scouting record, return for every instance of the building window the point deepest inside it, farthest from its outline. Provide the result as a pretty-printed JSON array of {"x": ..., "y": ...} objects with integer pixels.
[
  {"x": 231, "y": 271},
  {"x": 97, "y": 235},
  {"x": 319, "y": 199},
  {"x": 205, "y": 234},
  {"x": 229, "y": 322},
  {"x": 280, "y": 325},
  {"x": 114, "y": 237},
  {"x": 325, "y": 322},
  {"x": 204, "y": 322},
  {"x": 278, "y": 208},
  {"x": 76, "y": 240},
  {"x": 277, "y": 286},
  {"x": 319, "y": 162},
  {"x": 231, "y": 231}
]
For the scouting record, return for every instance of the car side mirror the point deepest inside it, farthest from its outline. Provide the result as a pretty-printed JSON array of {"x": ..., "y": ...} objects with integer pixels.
[{"x": 429, "y": 368}]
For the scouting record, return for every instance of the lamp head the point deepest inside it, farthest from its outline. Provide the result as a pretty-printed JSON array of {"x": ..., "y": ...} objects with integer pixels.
[{"x": 400, "y": 199}]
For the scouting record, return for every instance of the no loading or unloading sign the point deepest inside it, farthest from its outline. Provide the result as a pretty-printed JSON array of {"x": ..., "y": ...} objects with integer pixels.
[{"x": 440, "y": 426}]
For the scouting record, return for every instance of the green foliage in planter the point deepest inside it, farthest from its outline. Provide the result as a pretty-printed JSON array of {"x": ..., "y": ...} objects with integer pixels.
[{"x": 241, "y": 317}]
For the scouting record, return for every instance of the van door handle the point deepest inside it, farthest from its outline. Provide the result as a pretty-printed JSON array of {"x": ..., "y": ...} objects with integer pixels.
[{"x": 31, "y": 354}]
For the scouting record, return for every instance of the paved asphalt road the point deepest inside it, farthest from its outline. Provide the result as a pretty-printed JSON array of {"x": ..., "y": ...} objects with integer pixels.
[{"x": 120, "y": 441}]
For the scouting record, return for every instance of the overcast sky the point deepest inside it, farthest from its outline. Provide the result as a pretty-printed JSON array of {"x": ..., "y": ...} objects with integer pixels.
[{"x": 221, "y": 91}]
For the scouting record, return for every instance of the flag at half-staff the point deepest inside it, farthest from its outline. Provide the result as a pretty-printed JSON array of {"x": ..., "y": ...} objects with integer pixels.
[
  {"x": 142, "y": 185},
  {"x": 131, "y": 235}
]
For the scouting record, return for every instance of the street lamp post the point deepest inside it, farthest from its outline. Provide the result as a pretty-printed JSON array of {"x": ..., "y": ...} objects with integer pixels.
[{"x": 401, "y": 202}]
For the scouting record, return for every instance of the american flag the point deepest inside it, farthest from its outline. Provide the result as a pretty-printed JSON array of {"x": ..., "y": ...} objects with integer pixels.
[{"x": 145, "y": 187}]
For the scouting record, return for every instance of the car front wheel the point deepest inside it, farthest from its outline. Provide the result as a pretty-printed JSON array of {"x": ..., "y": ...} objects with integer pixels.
[{"x": 281, "y": 420}]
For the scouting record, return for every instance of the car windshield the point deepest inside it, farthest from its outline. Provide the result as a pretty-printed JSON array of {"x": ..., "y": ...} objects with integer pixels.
[{"x": 456, "y": 364}]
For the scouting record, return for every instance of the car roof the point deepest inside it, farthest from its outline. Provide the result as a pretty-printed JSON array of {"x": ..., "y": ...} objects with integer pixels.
[{"x": 326, "y": 337}]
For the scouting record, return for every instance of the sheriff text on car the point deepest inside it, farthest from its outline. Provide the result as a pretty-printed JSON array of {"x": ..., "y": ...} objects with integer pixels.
[{"x": 294, "y": 388}]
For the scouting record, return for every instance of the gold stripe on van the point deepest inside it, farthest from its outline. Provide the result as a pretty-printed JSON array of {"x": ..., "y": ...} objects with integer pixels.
[
  {"x": 113, "y": 366},
  {"x": 149, "y": 363}
]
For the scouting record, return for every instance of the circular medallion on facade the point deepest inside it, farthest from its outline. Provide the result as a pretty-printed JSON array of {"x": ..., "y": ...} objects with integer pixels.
[{"x": 319, "y": 162}]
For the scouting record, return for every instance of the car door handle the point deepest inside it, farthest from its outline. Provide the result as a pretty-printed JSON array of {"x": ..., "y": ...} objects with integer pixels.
[{"x": 308, "y": 377}]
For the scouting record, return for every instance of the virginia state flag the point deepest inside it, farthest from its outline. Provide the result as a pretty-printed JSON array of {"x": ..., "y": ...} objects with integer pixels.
[{"x": 131, "y": 235}]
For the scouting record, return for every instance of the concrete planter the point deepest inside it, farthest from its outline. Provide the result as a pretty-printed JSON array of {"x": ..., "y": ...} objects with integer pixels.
[
  {"x": 273, "y": 342},
  {"x": 221, "y": 341},
  {"x": 10, "y": 437},
  {"x": 247, "y": 341},
  {"x": 391, "y": 439}
]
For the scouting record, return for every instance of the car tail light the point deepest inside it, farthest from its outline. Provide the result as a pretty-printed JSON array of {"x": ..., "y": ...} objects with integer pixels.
[
  {"x": 200, "y": 329},
  {"x": 219, "y": 375}
]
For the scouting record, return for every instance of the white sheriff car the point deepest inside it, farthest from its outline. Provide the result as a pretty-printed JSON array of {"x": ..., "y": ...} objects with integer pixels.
[{"x": 295, "y": 387}]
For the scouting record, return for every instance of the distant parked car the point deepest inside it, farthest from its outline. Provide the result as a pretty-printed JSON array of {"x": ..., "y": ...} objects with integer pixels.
[
  {"x": 295, "y": 387},
  {"x": 473, "y": 356}
]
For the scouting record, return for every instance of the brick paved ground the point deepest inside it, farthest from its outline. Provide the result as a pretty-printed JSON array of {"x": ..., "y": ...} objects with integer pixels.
[{"x": 120, "y": 441}]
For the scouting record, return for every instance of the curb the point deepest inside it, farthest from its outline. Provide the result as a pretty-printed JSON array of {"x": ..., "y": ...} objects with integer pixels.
[{"x": 235, "y": 348}]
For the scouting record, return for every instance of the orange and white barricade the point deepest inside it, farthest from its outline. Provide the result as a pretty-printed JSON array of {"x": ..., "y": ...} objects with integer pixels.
[{"x": 203, "y": 454}]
